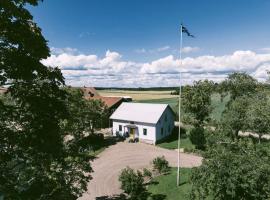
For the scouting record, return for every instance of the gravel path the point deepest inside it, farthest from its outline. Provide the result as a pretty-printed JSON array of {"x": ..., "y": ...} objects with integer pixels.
[{"x": 110, "y": 162}]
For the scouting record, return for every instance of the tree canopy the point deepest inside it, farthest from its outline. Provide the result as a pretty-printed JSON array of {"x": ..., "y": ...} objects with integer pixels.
[{"x": 41, "y": 124}]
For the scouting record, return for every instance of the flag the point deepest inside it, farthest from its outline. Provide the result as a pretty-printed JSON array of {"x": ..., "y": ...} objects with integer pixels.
[{"x": 184, "y": 30}]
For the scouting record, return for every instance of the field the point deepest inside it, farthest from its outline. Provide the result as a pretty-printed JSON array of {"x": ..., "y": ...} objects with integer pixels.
[
  {"x": 151, "y": 96},
  {"x": 165, "y": 185},
  {"x": 138, "y": 95}
]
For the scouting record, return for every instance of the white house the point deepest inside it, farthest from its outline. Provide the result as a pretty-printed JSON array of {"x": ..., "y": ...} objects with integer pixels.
[{"x": 145, "y": 121}]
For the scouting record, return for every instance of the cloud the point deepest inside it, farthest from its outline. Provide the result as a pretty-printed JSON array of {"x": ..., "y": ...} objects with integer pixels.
[
  {"x": 140, "y": 50},
  {"x": 86, "y": 34},
  {"x": 265, "y": 50},
  {"x": 163, "y": 48},
  {"x": 190, "y": 49},
  {"x": 112, "y": 70},
  {"x": 67, "y": 50},
  {"x": 157, "y": 50}
]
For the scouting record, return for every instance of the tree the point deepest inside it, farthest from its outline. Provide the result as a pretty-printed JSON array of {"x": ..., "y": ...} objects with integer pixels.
[
  {"x": 36, "y": 162},
  {"x": 233, "y": 171},
  {"x": 258, "y": 115},
  {"x": 239, "y": 84},
  {"x": 234, "y": 117},
  {"x": 197, "y": 137},
  {"x": 197, "y": 101},
  {"x": 133, "y": 184}
]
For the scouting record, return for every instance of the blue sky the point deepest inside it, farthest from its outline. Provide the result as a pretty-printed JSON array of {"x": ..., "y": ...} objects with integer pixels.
[{"x": 144, "y": 32}]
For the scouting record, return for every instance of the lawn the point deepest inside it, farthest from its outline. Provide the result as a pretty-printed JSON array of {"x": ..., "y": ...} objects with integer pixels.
[
  {"x": 164, "y": 186},
  {"x": 218, "y": 106},
  {"x": 184, "y": 143}
]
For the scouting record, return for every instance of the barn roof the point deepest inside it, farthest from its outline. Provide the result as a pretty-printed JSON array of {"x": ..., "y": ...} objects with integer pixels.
[
  {"x": 139, "y": 112},
  {"x": 108, "y": 101}
]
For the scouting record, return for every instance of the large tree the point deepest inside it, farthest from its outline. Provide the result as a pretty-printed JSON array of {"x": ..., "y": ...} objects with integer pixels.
[
  {"x": 197, "y": 101},
  {"x": 258, "y": 115},
  {"x": 233, "y": 170},
  {"x": 234, "y": 117},
  {"x": 36, "y": 162},
  {"x": 238, "y": 84}
]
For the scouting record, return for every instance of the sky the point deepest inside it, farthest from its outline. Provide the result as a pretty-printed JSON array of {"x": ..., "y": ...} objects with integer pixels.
[{"x": 136, "y": 43}]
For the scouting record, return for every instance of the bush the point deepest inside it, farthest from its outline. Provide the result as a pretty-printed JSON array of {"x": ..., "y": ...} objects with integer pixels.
[
  {"x": 197, "y": 137},
  {"x": 161, "y": 164},
  {"x": 133, "y": 184},
  {"x": 147, "y": 173}
]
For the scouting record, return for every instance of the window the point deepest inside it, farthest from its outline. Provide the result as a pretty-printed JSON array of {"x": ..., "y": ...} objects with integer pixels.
[
  {"x": 144, "y": 131},
  {"x": 162, "y": 131},
  {"x": 120, "y": 127}
]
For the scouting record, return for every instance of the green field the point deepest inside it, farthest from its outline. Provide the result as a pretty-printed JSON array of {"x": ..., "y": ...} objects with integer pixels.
[
  {"x": 173, "y": 102},
  {"x": 165, "y": 185}
]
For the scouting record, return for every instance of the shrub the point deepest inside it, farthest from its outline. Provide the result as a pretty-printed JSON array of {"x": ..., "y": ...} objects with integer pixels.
[
  {"x": 147, "y": 173},
  {"x": 161, "y": 164},
  {"x": 197, "y": 137},
  {"x": 133, "y": 184}
]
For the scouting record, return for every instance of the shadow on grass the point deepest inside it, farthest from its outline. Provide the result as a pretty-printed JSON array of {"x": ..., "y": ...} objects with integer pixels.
[
  {"x": 124, "y": 197},
  {"x": 158, "y": 196},
  {"x": 115, "y": 197},
  {"x": 174, "y": 136},
  {"x": 96, "y": 143}
]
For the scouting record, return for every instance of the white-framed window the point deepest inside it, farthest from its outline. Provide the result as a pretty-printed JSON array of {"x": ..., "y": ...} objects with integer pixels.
[
  {"x": 144, "y": 131},
  {"x": 161, "y": 131},
  {"x": 120, "y": 127}
]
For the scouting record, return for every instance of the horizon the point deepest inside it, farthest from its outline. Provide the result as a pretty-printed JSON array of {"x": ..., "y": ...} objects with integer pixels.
[{"x": 136, "y": 44}]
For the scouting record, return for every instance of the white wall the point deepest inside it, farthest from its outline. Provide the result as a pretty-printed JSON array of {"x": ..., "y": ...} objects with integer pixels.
[
  {"x": 151, "y": 129},
  {"x": 167, "y": 125}
]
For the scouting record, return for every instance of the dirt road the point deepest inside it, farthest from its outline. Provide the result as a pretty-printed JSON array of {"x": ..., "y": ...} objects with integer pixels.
[{"x": 110, "y": 162}]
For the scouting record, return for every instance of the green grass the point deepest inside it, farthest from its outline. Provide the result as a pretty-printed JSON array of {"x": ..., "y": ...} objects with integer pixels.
[
  {"x": 173, "y": 102},
  {"x": 218, "y": 106},
  {"x": 166, "y": 185},
  {"x": 185, "y": 143}
]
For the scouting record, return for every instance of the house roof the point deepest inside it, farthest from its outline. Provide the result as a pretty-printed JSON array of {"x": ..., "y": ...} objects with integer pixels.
[
  {"x": 3, "y": 90},
  {"x": 108, "y": 101},
  {"x": 90, "y": 92},
  {"x": 139, "y": 112}
]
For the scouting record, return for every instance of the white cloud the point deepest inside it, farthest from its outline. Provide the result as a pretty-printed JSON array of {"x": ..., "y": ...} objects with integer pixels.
[
  {"x": 140, "y": 50},
  {"x": 190, "y": 49},
  {"x": 67, "y": 50},
  {"x": 163, "y": 48},
  {"x": 112, "y": 70},
  {"x": 157, "y": 50}
]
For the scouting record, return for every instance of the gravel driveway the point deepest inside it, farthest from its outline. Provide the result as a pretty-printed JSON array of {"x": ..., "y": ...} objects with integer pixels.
[{"x": 135, "y": 155}]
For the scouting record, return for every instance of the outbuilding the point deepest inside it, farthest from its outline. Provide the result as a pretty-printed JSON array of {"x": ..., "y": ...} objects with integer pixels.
[{"x": 145, "y": 121}]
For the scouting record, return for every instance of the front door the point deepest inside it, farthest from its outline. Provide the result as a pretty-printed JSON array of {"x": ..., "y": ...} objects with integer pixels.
[{"x": 132, "y": 133}]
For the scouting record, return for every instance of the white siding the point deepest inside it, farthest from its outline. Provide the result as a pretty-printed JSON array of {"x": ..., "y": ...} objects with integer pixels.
[
  {"x": 167, "y": 125},
  {"x": 151, "y": 129}
]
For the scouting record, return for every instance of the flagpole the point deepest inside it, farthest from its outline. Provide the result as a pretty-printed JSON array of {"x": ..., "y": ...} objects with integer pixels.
[{"x": 179, "y": 109}]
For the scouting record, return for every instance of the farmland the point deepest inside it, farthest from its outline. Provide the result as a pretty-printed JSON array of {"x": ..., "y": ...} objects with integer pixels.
[
  {"x": 164, "y": 96},
  {"x": 139, "y": 95}
]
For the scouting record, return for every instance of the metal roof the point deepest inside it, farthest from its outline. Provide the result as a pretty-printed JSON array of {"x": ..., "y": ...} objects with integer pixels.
[{"x": 139, "y": 112}]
